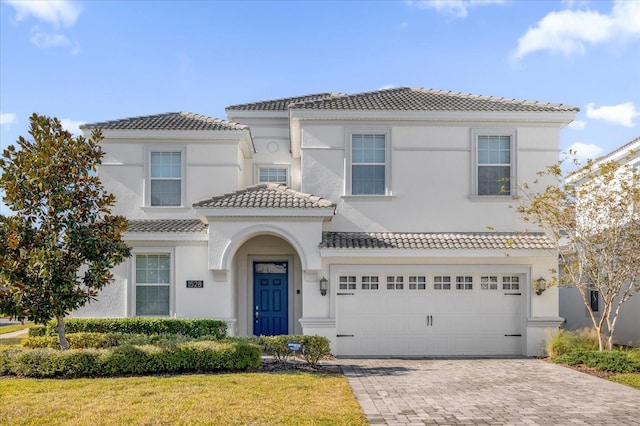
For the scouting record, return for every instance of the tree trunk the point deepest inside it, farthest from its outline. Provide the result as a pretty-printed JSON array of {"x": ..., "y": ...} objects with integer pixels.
[{"x": 64, "y": 345}]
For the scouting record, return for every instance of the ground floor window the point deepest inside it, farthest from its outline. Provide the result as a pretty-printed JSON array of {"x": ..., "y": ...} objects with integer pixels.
[{"x": 153, "y": 284}]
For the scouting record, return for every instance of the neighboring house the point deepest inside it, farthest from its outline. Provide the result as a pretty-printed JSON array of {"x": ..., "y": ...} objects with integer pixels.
[
  {"x": 383, "y": 198},
  {"x": 572, "y": 308}
]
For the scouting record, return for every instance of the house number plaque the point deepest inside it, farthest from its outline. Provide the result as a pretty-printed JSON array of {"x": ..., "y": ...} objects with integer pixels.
[{"x": 195, "y": 284}]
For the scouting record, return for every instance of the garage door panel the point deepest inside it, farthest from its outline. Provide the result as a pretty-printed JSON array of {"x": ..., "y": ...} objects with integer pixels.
[{"x": 397, "y": 321}]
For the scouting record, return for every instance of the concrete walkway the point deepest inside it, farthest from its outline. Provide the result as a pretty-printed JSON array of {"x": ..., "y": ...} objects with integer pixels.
[
  {"x": 486, "y": 392},
  {"x": 14, "y": 334}
]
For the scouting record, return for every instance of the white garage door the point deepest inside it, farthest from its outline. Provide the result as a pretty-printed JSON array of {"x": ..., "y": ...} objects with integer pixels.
[{"x": 429, "y": 315}]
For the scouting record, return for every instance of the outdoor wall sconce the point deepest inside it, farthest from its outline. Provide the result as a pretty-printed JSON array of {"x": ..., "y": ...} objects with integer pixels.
[
  {"x": 324, "y": 285},
  {"x": 540, "y": 285}
]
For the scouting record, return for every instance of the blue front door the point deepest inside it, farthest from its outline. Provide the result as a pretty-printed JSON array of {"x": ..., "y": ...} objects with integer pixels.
[{"x": 270, "y": 296}]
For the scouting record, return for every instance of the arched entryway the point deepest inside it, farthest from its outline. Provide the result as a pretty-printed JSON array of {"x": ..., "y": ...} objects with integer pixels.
[{"x": 267, "y": 286}]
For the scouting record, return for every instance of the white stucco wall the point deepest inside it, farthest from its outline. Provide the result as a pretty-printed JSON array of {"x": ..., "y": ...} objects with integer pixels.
[
  {"x": 210, "y": 168},
  {"x": 431, "y": 176}
]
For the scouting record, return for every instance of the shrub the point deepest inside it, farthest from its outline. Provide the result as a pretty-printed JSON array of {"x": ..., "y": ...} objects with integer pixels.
[
  {"x": 564, "y": 341},
  {"x": 76, "y": 341},
  {"x": 314, "y": 348},
  {"x": 202, "y": 356},
  {"x": 194, "y": 328},
  {"x": 614, "y": 361},
  {"x": 276, "y": 346}
]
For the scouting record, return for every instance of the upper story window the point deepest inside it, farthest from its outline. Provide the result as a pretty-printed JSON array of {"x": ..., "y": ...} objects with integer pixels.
[
  {"x": 494, "y": 165},
  {"x": 368, "y": 164},
  {"x": 273, "y": 174},
  {"x": 166, "y": 179},
  {"x": 369, "y": 168}
]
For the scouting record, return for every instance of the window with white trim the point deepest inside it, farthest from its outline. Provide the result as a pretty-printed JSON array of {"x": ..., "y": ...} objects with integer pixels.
[
  {"x": 464, "y": 283},
  {"x": 417, "y": 282},
  {"x": 441, "y": 283},
  {"x": 153, "y": 284},
  {"x": 489, "y": 283},
  {"x": 511, "y": 283},
  {"x": 347, "y": 282},
  {"x": 274, "y": 175},
  {"x": 494, "y": 164},
  {"x": 369, "y": 163},
  {"x": 369, "y": 282},
  {"x": 165, "y": 175},
  {"x": 395, "y": 283}
]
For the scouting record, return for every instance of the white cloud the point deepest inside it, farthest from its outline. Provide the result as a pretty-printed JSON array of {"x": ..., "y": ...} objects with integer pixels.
[
  {"x": 456, "y": 8},
  {"x": 584, "y": 152},
  {"x": 72, "y": 126},
  {"x": 46, "y": 41},
  {"x": 622, "y": 114},
  {"x": 7, "y": 118},
  {"x": 577, "y": 125},
  {"x": 56, "y": 12},
  {"x": 386, "y": 87},
  {"x": 570, "y": 31}
]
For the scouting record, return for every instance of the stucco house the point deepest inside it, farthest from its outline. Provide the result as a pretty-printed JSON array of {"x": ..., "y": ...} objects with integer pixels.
[
  {"x": 572, "y": 308},
  {"x": 380, "y": 220}
]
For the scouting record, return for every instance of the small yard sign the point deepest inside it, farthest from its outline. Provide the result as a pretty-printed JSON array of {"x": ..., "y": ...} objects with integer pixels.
[{"x": 294, "y": 346}]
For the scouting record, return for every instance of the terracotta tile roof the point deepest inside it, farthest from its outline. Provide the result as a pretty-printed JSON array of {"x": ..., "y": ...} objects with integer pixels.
[
  {"x": 167, "y": 225},
  {"x": 167, "y": 121},
  {"x": 266, "y": 195},
  {"x": 281, "y": 104},
  {"x": 421, "y": 241},
  {"x": 419, "y": 99}
]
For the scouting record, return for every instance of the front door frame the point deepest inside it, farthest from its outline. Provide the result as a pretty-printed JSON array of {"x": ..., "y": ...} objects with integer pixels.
[{"x": 251, "y": 260}]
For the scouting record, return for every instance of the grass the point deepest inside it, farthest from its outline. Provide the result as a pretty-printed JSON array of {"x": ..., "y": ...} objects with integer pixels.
[
  {"x": 232, "y": 399},
  {"x": 629, "y": 379}
]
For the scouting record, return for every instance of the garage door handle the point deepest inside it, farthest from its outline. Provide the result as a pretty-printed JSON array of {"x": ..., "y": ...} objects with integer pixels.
[
  {"x": 429, "y": 320},
  {"x": 344, "y": 335},
  {"x": 513, "y": 335}
]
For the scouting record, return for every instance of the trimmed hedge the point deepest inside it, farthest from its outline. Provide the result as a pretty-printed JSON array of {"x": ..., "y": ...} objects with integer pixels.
[
  {"x": 314, "y": 348},
  {"x": 203, "y": 356},
  {"x": 76, "y": 341},
  {"x": 614, "y": 361},
  {"x": 195, "y": 328}
]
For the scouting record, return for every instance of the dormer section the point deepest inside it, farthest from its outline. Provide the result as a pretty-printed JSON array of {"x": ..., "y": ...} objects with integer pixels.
[
  {"x": 275, "y": 161},
  {"x": 158, "y": 165}
]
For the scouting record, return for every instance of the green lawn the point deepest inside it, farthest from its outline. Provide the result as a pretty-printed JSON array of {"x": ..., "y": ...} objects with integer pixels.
[
  {"x": 232, "y": 399},
  {"x": 629, "y": 379}
]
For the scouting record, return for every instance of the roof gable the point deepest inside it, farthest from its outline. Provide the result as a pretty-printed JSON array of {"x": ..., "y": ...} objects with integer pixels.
[
  {"x": 266, "y": 195},
  {"x": 167, "y": 121},
  {"x": 419, "y": 99}
]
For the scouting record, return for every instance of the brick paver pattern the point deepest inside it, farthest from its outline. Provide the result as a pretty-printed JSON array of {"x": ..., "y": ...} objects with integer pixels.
[{"x": 486, "y": 392}]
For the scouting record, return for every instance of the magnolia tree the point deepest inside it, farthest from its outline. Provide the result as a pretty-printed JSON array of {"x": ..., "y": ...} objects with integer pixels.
[
  {"x": 61, "y": 241},
  {"x": 594, "y": 219}
]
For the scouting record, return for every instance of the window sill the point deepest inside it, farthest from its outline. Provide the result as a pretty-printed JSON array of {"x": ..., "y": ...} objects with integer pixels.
[
  {"x": 492, "y": 198},
  {"x": 368, "y": 197},
  {"x": 151, "y": 209}
]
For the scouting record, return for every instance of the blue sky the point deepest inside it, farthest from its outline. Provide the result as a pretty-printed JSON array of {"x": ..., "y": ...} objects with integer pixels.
[{"x": 102, "y": 60}]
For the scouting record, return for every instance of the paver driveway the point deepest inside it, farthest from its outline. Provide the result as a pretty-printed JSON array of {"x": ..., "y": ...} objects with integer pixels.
[{"x": 486, "y": 391}]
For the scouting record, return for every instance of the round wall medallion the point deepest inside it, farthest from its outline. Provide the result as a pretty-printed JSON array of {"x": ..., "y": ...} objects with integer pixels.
[{"x": 273, "y": 147}]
